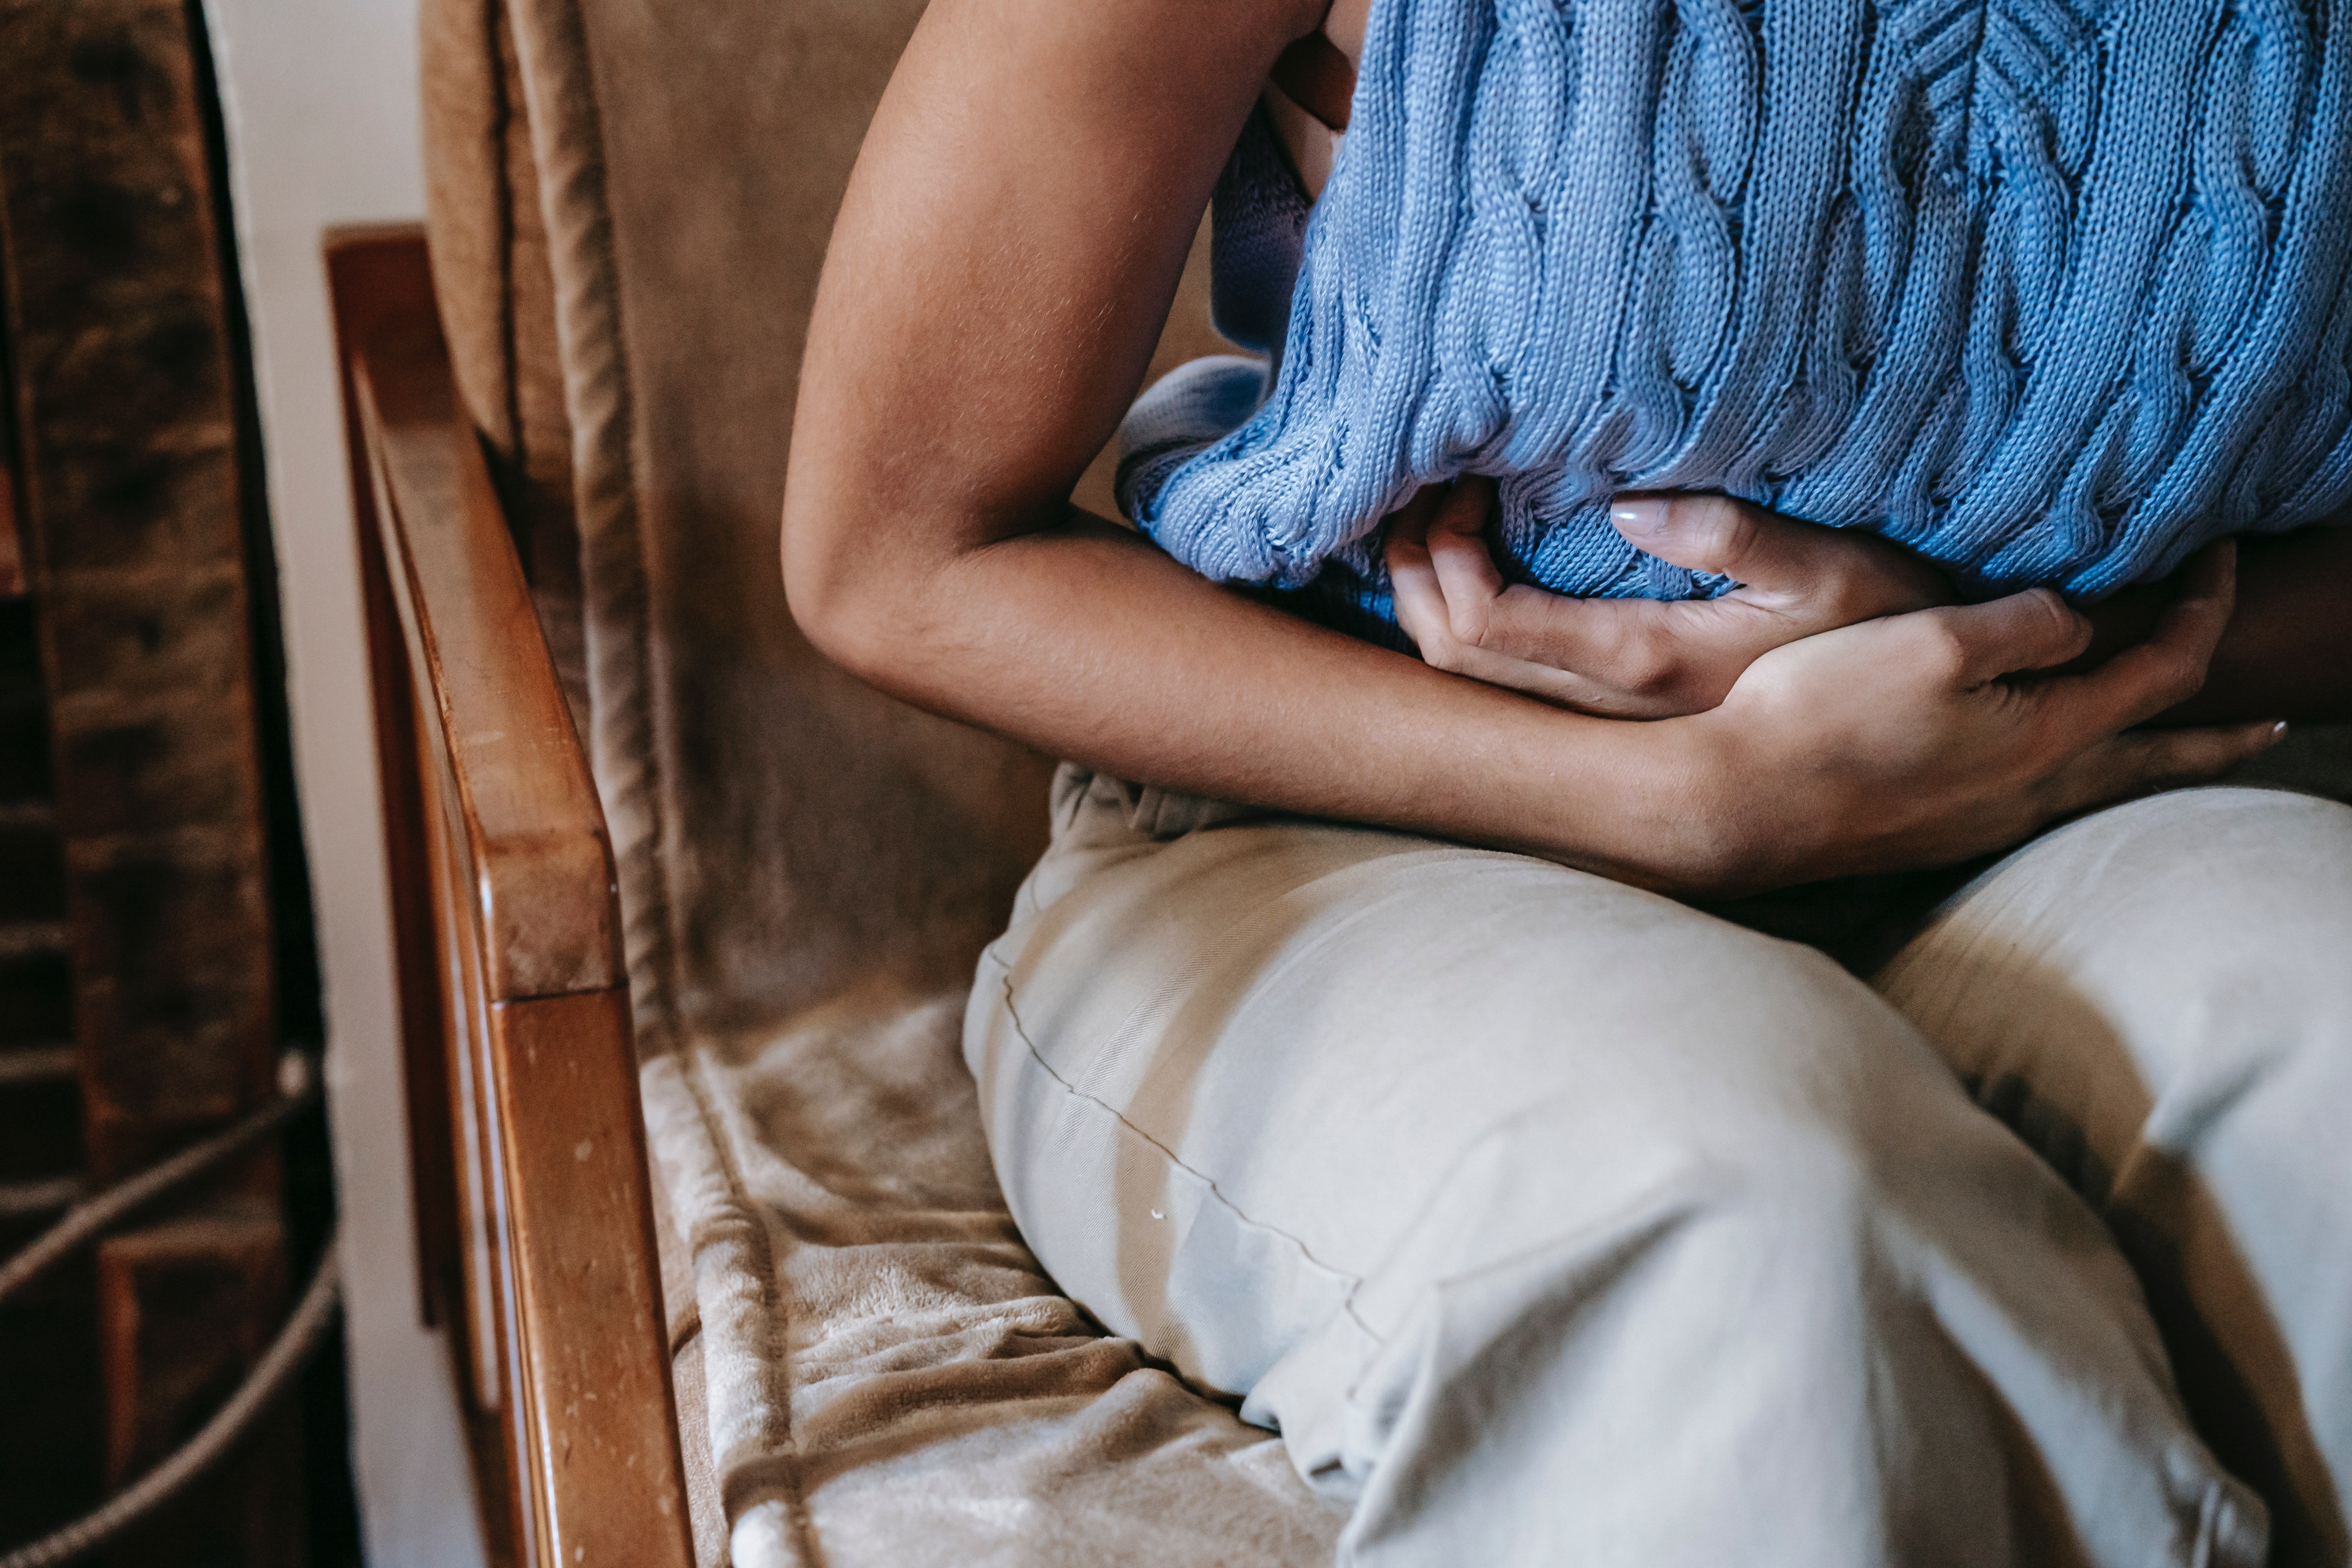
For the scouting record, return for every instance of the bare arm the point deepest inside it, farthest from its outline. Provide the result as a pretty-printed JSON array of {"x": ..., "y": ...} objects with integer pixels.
[
  {"x": 1007, "y": 249},
  {"x": 1009, "y": 243}
]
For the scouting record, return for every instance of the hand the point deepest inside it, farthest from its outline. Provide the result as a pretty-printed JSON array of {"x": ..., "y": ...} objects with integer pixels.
[
  {"x": 1916, "y": 740},
  {"x": 1639, "y": 659}
]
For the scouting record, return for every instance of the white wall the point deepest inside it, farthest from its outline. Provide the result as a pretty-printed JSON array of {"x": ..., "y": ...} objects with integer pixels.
[{"x": 321, "y": 108}]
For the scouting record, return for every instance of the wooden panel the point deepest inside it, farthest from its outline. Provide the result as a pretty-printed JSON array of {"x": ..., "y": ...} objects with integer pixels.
[
  {"x": 501, "y": 730},
  {"x": 597, "y": 1407},
  {"x": 374, "y": 282},
  {"x": 466, "y": 1026},
  {"x": 132, "y": 532},
  {"x": 185, "y": 1308},
  {"x": 378, "y": 280}
]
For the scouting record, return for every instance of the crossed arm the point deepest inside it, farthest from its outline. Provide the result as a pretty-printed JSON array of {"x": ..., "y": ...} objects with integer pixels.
[{"x": 1006, "y": 251}]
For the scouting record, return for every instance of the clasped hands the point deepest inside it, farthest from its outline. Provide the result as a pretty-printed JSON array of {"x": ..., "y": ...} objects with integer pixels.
[
  {"x": 1849, "y": 714},
  {"x": 1639, "y": 658}
]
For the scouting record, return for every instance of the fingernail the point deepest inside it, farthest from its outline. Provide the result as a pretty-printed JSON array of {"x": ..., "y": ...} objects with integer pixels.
[
  {"x": 2278, "y": 731},
  {"x": 1638, "y": 515}
]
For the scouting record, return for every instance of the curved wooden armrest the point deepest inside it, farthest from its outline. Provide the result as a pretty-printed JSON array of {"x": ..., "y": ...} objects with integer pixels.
[
  {"x": 526, "y": 1131},
  {"x": 533, "y": 828}
]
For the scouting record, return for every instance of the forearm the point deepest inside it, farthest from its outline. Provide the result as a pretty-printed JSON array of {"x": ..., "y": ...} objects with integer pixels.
[
  {"x": 1085, "y": 641},
  {"x": 1006, "y": 254},
  {"x": 2287, "y": 653}
]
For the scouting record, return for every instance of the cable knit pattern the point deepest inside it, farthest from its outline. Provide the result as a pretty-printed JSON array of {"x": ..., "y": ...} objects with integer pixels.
[{"x": 2051, "y": 291}]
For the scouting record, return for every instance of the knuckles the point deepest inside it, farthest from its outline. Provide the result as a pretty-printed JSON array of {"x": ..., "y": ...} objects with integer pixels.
[
  {"x": 2070, "y": 631},
  {"x": 1433, "y": 639},
  {"x": 2182, "y": 677},
  {"x": 1648, "y": 666},
  {"x": 1470, "y": 622},
  {"x": 1443, "y": 653},
  {"x": 1940, "y": 648},
  {"x": 1851, "y": 594}
]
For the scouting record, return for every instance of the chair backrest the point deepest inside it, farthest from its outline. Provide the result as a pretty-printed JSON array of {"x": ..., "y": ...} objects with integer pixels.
[{"x": 629, "y": 204}]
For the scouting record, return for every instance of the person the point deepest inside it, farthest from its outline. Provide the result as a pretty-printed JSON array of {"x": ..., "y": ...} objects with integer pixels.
[{"x": 1395, "y": 1041}]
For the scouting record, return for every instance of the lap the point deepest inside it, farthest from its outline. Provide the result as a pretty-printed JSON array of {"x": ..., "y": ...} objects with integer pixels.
[
  {"x": 1263, "y": 1050},
  {"x": 1316, "y": 1023},
  {"x": 1252, "y": 1083}
]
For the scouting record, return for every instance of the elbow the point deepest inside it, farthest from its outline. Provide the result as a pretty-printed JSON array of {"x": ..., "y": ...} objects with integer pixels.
[
  {"x": 853, "y": 577},
  {"x": 826, "y": 584}
]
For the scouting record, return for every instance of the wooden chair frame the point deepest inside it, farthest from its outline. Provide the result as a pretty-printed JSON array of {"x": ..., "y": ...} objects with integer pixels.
[{"x": 535, "y": 1228}]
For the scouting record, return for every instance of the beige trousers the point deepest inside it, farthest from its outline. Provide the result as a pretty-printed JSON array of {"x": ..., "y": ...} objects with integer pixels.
[{"x": 1558, "y": 1223}]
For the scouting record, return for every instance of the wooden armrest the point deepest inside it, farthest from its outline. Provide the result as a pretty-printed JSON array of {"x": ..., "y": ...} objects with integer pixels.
[
  {"x": 527, "y": 1135},
  {"x": 532, "y": 823}
]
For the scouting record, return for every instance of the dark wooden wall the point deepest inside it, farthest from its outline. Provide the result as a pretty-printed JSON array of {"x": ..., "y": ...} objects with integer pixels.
[{"x": 137, "y": 976}]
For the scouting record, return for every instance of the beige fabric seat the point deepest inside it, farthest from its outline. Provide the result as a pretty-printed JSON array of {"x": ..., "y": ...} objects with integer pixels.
[{"x": 629, "y": 204}]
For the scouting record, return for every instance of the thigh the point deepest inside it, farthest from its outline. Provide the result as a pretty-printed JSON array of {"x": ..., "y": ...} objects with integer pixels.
[
  {"x": 1227, "y": 1074},
  {"x": 2159, "y": 998}
]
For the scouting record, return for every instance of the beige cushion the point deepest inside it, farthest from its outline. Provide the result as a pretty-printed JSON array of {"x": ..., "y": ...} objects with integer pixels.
[{"x": 498, "y": 305}]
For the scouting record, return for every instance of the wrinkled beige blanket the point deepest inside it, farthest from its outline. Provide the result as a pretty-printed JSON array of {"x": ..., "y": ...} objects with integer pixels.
[{"x": 883, "y": 1374}]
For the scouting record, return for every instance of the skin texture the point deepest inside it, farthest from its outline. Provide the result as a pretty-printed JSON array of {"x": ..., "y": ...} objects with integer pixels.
[{"x": 1006, "y": 252}]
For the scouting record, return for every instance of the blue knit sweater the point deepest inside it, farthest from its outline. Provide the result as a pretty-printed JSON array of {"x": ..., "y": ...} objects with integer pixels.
[{"x": 2049, "y": 292}]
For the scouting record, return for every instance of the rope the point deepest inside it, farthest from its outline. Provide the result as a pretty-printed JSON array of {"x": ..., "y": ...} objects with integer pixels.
[
  {"x": 287, "y": 1352},
  {"x": 299, "y": 1087}
]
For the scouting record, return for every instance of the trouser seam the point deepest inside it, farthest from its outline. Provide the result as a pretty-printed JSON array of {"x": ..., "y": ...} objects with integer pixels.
[{"x": 1355, "y": 1281}]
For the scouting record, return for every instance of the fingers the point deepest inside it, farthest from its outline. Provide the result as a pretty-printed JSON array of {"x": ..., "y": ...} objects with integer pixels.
[
  {"x": 2169, "y": 667},
  {"x": 1616, "y": 657},
  {"x": 2033, "y": 630},
  {"x": 2145, "y": 761},
  {"x": 1452, "y": 599},
  {"x": 1624, "y": 646},
  {"x": 1467, "y": 573},
  {"x": 1420, "y": 603},
  {"x": 1841, "y": 575},
  {"x": 1463, "y": 507},
  {"x": 1410, "y": 522}
]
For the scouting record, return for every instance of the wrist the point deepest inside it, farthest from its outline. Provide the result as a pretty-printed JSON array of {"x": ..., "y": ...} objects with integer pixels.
[
  {"x": 1728, "y": 828},
  {"x": 1671, "y": 815}
]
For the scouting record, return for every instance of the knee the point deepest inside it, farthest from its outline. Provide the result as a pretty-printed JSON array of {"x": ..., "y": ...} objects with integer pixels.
[
  {"x": 1837, "y": 1110},
  {"x": 2157, "y": 957},
  {"x": 1802, "y": 1179},
  {"x": 1800, "y": 1109},
  {"x": 1761, "y": 1249},
  {"x": 1798, "y": 1202},
  {"x": 2202, "y": 885}
]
